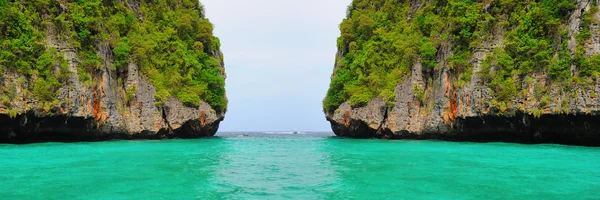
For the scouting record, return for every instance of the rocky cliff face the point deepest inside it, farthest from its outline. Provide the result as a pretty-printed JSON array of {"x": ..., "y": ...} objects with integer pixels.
[
  {"x": 441, "y": 104},
  {"x": 102, "y": 107}
]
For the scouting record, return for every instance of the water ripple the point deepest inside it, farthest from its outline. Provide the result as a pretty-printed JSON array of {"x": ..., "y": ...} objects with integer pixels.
[{"x": 297, "y": 166}]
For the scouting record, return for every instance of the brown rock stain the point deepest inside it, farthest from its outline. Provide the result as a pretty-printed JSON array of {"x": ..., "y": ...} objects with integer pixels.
[
  {"x": 99, "y": 115},
  {"x": 453, "y": 106},
  {"x": 450, "y": 114},
  {"x": 96, "y": 106},
  {"x": 203, "y": 117},
  {"x": 547, "y": 111},
  {"x": 347, "y": 116},
  {"x": 102, "y": 84}
]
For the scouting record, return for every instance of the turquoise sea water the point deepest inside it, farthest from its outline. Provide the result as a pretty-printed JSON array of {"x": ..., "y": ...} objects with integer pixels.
[{"x": 283, "y": 166}]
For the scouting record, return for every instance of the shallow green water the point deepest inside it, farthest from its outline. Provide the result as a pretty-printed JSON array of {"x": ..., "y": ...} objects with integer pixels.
[{"x": 312, "y": 166}]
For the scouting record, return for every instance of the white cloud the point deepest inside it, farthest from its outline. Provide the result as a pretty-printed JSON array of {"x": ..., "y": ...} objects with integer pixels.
[{"x": 278, "y": 55}]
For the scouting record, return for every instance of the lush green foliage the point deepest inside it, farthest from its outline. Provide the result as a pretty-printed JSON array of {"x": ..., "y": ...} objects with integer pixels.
[
  {"x": 170, "y": 40},
  {"x": 22, "y": 50},
  {"x": 380, "y": 44},
  {"x": 381, "y": 40}
]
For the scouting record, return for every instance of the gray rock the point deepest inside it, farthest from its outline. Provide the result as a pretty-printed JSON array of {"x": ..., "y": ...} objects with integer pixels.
[
  {"x": 453, "y": 112},
  {"x": 100, "y": 111}
]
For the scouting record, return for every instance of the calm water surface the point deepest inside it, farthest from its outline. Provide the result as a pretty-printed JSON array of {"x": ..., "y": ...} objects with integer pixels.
[{"x": 285, "y": 166}]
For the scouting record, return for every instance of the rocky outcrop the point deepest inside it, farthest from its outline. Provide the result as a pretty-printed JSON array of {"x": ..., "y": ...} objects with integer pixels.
[
  {"x": 101, "y": 109},
  {"x": 464, "y": 113}
]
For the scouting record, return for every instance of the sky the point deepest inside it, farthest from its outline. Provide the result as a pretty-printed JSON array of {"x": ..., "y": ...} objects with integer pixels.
[{"x": 279, "y": 56}]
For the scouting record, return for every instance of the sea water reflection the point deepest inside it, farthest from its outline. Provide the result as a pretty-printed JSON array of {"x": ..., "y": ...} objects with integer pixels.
[{"x": 275, "y": 165}]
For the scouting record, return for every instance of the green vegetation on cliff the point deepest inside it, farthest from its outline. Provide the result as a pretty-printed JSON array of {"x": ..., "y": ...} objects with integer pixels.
[
  {"x": 382, "y": 40},
  {"x": 170, "y": 40}
]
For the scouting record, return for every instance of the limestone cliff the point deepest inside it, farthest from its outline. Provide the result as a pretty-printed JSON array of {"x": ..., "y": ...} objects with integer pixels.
[
  {"x": 94, "y": 91},
  {"x": 485, "y": 81}
]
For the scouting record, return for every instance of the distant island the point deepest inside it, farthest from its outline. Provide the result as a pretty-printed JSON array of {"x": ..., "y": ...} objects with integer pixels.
[
  {"x": 97, "y": 70},
  {"x": 519, "y": 71}
]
